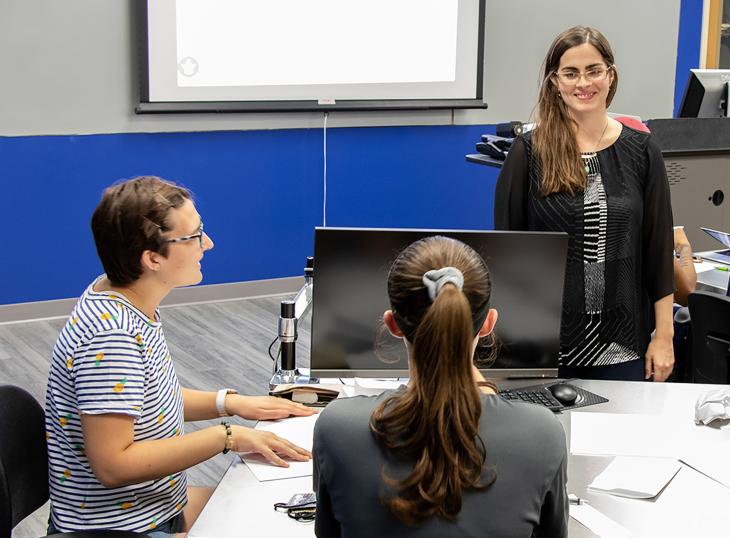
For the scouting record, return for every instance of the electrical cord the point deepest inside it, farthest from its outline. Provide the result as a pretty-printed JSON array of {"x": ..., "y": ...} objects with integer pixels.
[
  {"x": 324, "y": 175},
  {"x": 278, "y": 354},
  {"x": 272, "y": 345}
]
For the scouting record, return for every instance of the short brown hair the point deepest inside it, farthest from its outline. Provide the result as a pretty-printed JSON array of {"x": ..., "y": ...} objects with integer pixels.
[{"x": 131, "y": 218}]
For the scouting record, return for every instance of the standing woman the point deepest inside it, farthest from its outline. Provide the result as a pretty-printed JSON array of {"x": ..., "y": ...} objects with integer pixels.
[
  {"x": 444, "y": 456},
  {"x": 605, "y": 184}
]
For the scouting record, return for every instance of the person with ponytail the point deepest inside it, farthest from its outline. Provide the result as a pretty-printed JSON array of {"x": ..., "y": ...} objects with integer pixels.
[
  {"x": 444, "y": 455},
  {"x": 582, "y": 172}
]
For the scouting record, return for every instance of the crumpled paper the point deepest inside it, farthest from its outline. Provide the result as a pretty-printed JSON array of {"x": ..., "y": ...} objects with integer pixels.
[{"x": 712, "y": 405}]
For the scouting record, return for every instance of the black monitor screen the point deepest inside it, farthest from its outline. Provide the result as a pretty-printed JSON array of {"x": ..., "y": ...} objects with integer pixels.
[
  {"x": 706, "y": 94},
  {"x": 350, "y": 295}
]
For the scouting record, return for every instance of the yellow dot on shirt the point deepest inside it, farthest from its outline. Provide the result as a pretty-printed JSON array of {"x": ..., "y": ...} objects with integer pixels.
[
  {"x": 119, "y": 387},
  {"x": 125, "y": 505},
  {"x": 99, "y": 357},
  {"x": 69, "y": 362}
]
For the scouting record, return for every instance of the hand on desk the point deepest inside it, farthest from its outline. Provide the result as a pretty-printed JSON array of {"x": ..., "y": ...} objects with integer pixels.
[
  {"x": 268, "y": 444},
  {"x": 265, "y": 407},
  {"x": 659, "y": 359}
]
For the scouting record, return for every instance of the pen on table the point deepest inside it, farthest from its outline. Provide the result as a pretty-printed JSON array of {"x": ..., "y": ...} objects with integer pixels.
[{"x": 574, "y": 499}]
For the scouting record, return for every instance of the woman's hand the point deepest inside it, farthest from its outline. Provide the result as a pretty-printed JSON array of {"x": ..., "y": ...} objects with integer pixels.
[
  {"x": 660, "y": 358},
  {"x": 268, "y": 444},
  {"x": 264, "y": 407}
]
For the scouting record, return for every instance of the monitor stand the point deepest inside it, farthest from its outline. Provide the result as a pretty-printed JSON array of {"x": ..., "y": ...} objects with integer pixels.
[
  {"x": 291, "y": 377},
  {"x": 292, "y": 312}
]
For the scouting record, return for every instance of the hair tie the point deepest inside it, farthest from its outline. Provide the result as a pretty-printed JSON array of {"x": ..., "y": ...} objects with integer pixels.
[{"x": 435, "y": 279}]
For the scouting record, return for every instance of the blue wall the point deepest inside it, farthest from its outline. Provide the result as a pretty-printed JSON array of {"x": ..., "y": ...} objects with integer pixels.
[{"x": 259, "y": 192}]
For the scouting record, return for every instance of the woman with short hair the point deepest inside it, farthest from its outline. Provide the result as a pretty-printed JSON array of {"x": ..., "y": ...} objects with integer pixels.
[{"x": 115, "y": 411}]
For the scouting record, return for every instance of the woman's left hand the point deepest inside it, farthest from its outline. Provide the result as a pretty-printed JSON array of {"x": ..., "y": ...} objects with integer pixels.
[
  {"x": 264, "y": 407},
  {"x": 660, "y": 358}
]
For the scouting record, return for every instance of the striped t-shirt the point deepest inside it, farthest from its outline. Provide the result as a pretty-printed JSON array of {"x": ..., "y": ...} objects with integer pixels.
[{"x": 110, "y": 358}]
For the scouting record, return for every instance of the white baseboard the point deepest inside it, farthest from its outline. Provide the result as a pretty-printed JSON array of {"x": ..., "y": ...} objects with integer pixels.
[{"x": 19, "y": 312}]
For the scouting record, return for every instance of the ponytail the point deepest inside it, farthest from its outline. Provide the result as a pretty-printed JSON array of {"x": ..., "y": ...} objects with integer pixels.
[{"x": 435, "y": 421}]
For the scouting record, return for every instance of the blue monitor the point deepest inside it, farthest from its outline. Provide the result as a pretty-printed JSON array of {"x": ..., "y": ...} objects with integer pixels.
[{"x": 350, "y": 295}]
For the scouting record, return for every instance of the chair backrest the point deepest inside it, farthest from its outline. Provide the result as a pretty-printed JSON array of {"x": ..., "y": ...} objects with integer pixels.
[
  {"x": 710, "y": 322},
  {"x": 23, "y": 457}
]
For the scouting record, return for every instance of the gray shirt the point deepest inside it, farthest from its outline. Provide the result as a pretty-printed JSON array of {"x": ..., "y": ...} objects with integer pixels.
[{"x": 525, "y": 443}]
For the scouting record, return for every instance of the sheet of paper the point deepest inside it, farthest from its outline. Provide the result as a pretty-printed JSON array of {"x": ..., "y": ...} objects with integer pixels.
[
  {"x": 598, "y": 523},
  {"x": 710, "y": 461},
  {"x": 640, "y": 478},
  {"x": 610, "y": 434},
  {"x": 381, "y": 384},
  {"x": 298, "y": 430},
  {"x": 659, "y": 436},
  {"x": 704, "y": 266}
]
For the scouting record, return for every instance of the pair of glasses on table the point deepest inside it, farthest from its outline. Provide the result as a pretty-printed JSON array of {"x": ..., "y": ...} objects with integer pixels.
[{"x": 301, "y": 507}]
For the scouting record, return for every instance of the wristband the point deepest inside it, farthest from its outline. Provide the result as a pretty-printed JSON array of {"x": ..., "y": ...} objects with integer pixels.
[
  {"x": 229, "y": 433},
  {"x": 220, "y": 401}
]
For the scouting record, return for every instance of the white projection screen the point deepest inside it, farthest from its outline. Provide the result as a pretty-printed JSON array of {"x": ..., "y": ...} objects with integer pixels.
[{"x": 237, "y": 55}]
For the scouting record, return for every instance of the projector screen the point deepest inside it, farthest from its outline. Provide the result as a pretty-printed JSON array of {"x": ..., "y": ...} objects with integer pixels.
[{"x": 311, "y": 55}]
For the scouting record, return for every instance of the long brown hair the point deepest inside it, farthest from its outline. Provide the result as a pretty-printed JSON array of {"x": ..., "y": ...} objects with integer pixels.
[
  {"x": 435, "y": 420},
  {"x": 554, "y": 140}
]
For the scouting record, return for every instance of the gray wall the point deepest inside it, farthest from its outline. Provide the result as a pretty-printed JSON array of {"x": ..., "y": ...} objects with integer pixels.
[{"x": 69, "y": 67}]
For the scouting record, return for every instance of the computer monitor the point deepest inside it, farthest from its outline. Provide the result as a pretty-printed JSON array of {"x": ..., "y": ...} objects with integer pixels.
[
  {"x": 723, "y": 255},
  {"x": 350, "y": 295},
  {"x": 706, "y": 94}
]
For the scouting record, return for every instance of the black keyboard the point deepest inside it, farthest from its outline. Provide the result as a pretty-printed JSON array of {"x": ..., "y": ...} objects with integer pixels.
[{"x": 541, "y": 396}]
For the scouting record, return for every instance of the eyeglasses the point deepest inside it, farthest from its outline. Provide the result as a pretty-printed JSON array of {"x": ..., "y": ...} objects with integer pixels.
[
  {"x": 198, "y": 236},
  {"x": 592, "y": 75}
]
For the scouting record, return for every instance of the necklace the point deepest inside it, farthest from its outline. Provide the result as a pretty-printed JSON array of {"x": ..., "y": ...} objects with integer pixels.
[{"x": 598, "y": 144}]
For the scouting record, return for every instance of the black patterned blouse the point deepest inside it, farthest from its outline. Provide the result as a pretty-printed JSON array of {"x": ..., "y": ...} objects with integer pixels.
[{"x": 620, "y": 247}]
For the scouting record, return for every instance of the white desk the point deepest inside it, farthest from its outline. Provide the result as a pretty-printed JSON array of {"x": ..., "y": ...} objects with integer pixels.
[
  {"x": 691, "y": 505},
  {"x": 715, "y": 281}
]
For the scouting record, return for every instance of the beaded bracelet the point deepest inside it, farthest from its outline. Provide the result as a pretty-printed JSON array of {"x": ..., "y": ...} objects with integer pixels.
[{"x": 229, "y": 433}]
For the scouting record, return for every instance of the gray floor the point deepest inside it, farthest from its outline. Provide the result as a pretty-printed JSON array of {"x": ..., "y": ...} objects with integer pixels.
[{"x": 213, "y": 345}]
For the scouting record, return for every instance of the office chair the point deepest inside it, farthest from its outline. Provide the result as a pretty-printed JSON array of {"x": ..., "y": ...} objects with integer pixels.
[
  {"x": 710, "y": 325},
  {"x": 24, "y": 463}
]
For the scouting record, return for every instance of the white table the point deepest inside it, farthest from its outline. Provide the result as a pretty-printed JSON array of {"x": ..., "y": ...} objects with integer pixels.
[
  {"x": 691, "y": 505},
  {"x": 715, "y": 280}
]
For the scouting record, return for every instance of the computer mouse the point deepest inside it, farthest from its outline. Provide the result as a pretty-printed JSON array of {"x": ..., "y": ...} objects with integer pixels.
[{"x": 564, "y": 393}]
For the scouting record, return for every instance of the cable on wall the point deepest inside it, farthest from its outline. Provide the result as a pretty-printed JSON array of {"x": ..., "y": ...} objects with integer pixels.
[{"x": 324, "y": 156}]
